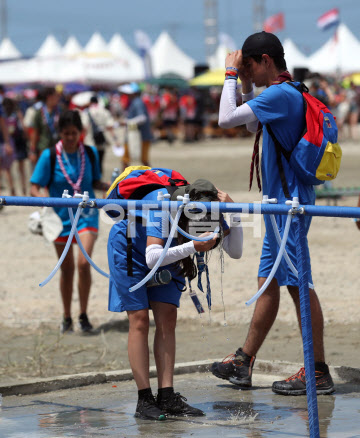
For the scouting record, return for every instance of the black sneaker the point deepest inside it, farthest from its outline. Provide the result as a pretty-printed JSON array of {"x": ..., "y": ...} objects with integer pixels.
[
  {"x": 84, "y": 323},
  {"x": 66, "y": 325},
  {"x": 175, "y": 405},
  {"x": 148, "y": 409},
  {"x": 237, "y": 368},
  {"x": 296, "y": 384}
]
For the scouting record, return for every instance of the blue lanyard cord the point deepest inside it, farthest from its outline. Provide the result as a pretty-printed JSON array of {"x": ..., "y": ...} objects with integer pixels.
[
  {"x": 50, "y": 121},
  {"x": 203, "y": 267}
]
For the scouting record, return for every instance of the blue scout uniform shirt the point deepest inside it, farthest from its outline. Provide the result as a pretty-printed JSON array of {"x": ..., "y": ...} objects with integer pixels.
[
  {"x": 137, "y": 108},
  {"x": 282, "y": 107},
  {"x": 41, "y": 176}
]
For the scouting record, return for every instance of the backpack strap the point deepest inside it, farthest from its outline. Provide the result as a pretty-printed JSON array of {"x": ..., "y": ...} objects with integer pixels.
[
  {"x": 88, "y": 150},
  {"x": 129, "y": 248},
  {"x": 280, "y": 151}
]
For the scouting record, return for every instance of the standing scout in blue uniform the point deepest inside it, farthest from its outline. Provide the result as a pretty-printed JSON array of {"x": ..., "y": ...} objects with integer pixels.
[
  {"x": 261, "y": 61},
  {"x": 163, "y": 300},
  {"x": 74, "y": 167}
]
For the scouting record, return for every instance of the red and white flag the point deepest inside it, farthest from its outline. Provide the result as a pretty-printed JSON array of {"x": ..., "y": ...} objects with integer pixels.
[
  {"x": 274, "y": 23},
  {"x": 329, "y": 19}
]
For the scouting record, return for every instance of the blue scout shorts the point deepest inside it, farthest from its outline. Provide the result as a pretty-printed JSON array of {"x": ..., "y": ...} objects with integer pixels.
[
  {"x": 120, "y": 299},
  {"x": 284, "y": 275}
]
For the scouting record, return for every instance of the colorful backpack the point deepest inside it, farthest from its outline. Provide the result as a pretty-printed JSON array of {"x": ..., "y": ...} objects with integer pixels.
[
  {"x": 138, "y": 181},
  {"x": 135, "y": 183},
  {"x": 317, "y": 156}
]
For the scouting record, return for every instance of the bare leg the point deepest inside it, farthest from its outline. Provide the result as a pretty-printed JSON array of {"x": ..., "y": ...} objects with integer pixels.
[
  {"x": 165, "y": 315},
  {"x": 66, "y": 278},
  {"x": 84, "y": 281},
  {"x": 22, "y": 175},
  {"x": 317, "y": 321},
  {"x": 265, "y": 313},
  {"x": 10, "y": 181},
  {"x": 138, "y": 348}
]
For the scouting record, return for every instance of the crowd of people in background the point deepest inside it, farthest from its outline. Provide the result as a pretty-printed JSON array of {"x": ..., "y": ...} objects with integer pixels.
[{"x": 29, "y": 119}]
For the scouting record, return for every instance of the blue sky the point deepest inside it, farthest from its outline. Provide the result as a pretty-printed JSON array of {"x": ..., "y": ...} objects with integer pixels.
[{"x": 29, "y": 22}]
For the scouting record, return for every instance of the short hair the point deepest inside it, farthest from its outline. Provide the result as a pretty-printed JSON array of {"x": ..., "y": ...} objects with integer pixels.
[
  {"x": 48, "y": 91},
  {"x": 70, "y": 118},
  {"x": 94, "y": 99},
  {"x": 279, "y": 61}
]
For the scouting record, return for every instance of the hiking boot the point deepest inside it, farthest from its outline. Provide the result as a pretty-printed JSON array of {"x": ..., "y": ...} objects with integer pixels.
[
  {"x": 237, "y": 368},
  {"x": 175, "y": 405},
  {"x": 84, "y": 323},
  {"x": 66, "y": 325},
  {"x": 148, "y": 409},
  {"x": 296, "y": 384}
]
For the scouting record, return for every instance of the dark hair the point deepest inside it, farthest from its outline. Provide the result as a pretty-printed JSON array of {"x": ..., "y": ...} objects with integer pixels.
[
  {"x": 70, "y": 118},
  {"x": 187, "y": 266},
  {"x": 279, "y": 61},
  {"x": 94, "y": 99},
  {"x": 48, "y": 91},
  {"x": 9, "y": 106}
]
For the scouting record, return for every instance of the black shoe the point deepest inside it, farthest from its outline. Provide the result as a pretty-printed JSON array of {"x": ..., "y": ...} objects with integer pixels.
[
  {"x": 84, "y": 323},
  {"x": 237, "y": 368},
  {"x": 148, "y": 409},
  {"x": 66, "y": 325},
  {"x": 175, "y": 405},
  {"x": 296, "y": 384}
]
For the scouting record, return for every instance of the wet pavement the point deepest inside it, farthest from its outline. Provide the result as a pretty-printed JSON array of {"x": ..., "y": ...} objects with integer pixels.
[{"x": 108, "y": 410}]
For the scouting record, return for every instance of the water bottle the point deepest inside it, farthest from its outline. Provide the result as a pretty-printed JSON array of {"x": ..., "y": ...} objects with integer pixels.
[
  {"x": 160, "y": 278},
  {"x": 115, "y": 174}
]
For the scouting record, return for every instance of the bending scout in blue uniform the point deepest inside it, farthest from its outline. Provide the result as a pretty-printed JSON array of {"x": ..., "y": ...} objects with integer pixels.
[
  {"x": 280, "y": 106},
  {"x": 146, "y": 247}
]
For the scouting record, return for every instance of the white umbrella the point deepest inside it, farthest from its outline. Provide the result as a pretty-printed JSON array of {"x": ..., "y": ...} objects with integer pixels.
[{"x": 82, "y": 99}]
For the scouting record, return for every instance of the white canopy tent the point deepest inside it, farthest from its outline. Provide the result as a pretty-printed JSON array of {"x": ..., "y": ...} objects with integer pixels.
[
  {"x": 294, "y": 58},
  {"x": 217, "y": 60},
  {"x": 72, "y": 47},
  {"x": 8, "y": 50},
  {"x": 50, "y": 47},
  {"x": 96, "y": 44},
  {"x": 167, "y": 57},
  {"x": 341, "y": 54}
]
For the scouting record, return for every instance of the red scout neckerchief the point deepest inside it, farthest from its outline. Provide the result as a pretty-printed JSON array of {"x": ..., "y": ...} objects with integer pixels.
[
  {"x": 283, "y": 77},
  {"x": 75, "y": 186}
]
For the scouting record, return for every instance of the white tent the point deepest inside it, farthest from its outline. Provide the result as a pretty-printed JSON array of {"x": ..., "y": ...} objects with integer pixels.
[
  {"x": 217, "y": 60},
  {"x": 8, "y": 50},
  {"x": 167, "y": 57},
  {"x": 71, "y": 47},
  {"x": 341, "y": 54},
  {"x": 120, "y": 50},
  {"x": 294, "y": 58},
  {"x": 96, "y": 44},
  {"x": 84, "y": 69},
  {"x": 50, "y": 47}
]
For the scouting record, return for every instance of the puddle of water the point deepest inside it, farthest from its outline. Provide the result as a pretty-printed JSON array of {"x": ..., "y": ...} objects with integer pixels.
[{"x": 98, "y": 412}]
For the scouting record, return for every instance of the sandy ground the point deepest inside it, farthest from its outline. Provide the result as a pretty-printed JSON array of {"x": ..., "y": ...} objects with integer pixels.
[{"x": 29, "y": 315}]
